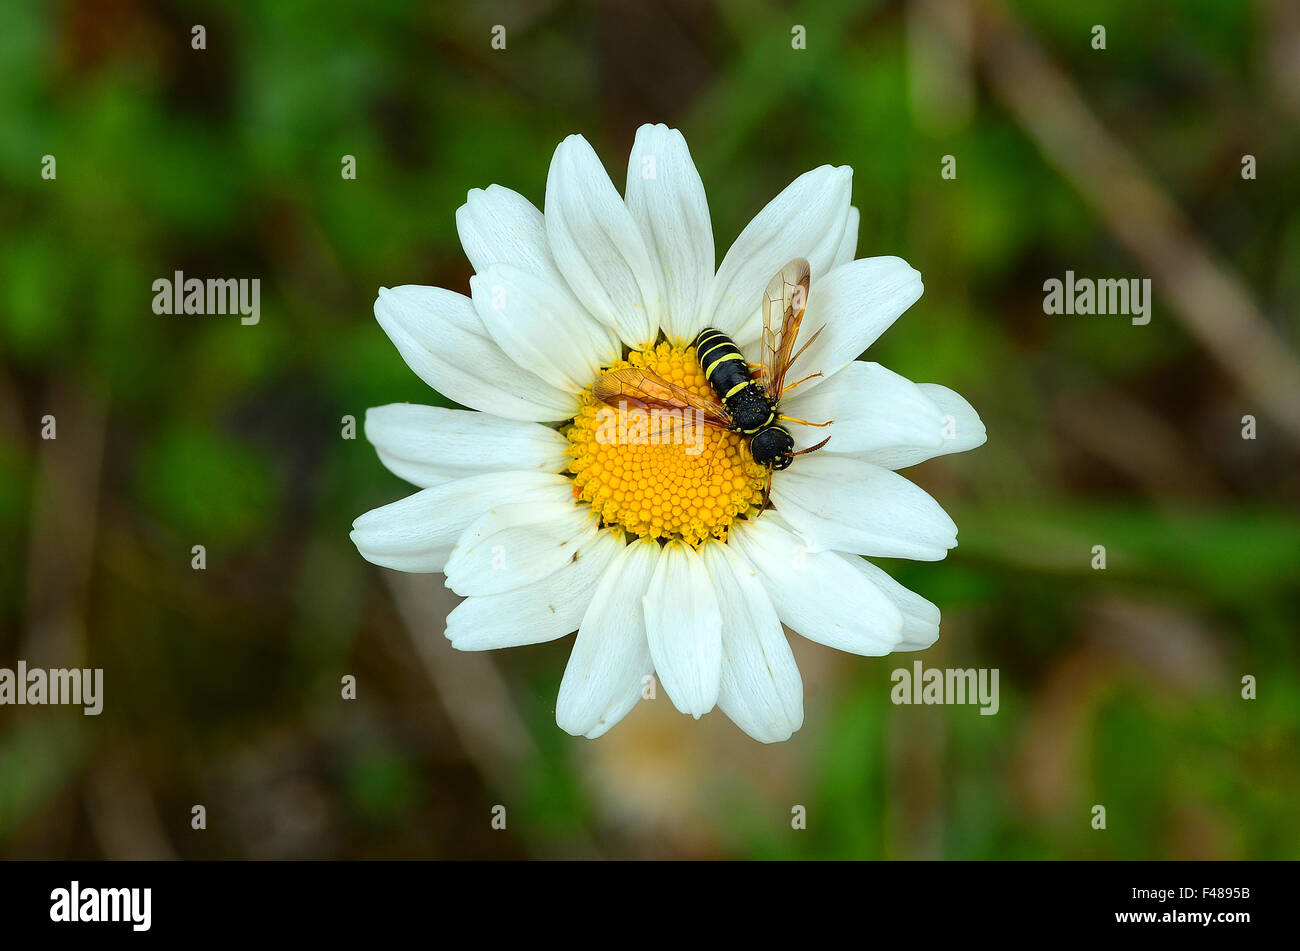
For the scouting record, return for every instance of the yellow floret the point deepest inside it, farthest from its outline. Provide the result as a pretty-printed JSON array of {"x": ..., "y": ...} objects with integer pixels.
[{"x": 674, "y": 479}]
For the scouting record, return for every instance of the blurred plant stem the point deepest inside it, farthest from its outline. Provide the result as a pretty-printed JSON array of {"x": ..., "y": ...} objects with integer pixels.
[
  {"x": 1211, "y": 302},
  {"x": 472, "y": 692}
]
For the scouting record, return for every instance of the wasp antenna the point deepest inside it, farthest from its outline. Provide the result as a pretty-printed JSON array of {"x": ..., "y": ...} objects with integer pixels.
[{"x": 804, "y": 452}]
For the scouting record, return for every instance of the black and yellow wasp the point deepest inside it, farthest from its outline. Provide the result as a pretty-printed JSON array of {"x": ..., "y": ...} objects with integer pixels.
[{"x": 743, "y": 403}]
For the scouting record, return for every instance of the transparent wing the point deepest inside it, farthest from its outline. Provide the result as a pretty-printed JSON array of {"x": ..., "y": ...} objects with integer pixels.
[
  {"x": 784, "y": 303},
  {"x": 650, "y": 391}
]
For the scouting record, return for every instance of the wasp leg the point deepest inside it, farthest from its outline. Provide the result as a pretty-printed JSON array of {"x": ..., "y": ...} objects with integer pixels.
[
  {"x": 787, "y": 389},
  {"x": 796, "y": 419},
  {"x": 767, "y": 493}
]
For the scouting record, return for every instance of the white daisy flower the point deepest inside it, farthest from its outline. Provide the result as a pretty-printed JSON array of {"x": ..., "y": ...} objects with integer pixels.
[{"x": 654, "y": 553}]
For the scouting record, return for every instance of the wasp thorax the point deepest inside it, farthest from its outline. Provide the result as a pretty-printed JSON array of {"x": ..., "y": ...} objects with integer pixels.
[{"x": 662, "y": 474}]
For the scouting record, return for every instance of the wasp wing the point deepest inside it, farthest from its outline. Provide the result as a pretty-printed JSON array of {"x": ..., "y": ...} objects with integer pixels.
[
  {"x": 650, "y": 391},
  {"x": 784, "y": 303}
]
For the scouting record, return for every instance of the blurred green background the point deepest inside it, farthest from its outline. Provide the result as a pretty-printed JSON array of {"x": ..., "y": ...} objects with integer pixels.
[{"x": 1119, "y": 687}]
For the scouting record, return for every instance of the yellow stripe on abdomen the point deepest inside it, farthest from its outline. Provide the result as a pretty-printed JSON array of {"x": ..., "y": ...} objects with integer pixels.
[
  {"x": 735, "y": 389},
  {"x": 708, "y": 373},
  {"x": 700, "y": 354}
]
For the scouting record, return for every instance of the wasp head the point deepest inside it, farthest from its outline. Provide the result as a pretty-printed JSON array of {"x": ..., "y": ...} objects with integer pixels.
[{"x": 773, "y": 447}]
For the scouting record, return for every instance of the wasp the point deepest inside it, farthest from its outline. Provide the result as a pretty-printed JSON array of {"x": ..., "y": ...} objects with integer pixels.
[{"x": 745, "y": 401}]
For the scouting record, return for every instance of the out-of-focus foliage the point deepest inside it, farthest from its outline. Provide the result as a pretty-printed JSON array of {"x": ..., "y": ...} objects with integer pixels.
[{"x": 1118, "y": 687}]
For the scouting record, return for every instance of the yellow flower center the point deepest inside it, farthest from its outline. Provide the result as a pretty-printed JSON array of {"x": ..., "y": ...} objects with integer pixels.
[{"x": 662, "y": 475}]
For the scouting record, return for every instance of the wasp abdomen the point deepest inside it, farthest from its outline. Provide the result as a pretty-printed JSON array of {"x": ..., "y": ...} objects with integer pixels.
[{"x": 728, "y": 373}]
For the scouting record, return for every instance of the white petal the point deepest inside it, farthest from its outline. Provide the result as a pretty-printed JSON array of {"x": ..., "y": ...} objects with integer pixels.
[
  {"x": 848, "y": 248},
  {"x": 441, "y": 338},
  {"x": 856, "y": 303},
  {"x": 845, "y": 504},
  {"x": 541, "y": 611},
  {"x": 960, "y": 429},
  {"x": 503, "y": 233},
  {"x": 417, "y": 533},
  {"x": 430, "y": 445},
  {"x": 611, "y": 656},
  {"x": 515, "y": 544},
  {"x": 597, "y": 245},
  {"x": 666, "y": 198},
  {"x": 872, "y": 408},
  {"x": 541, "y": 327},
  {"x": 761, "y": 690},
  {"x": 684, "y": 629},
  {"x": 501, "y": 226},
  {"x": 817, "y": 593},
  {"x": 920, "y": 617},
  {"x": 805, "y": 221}
]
